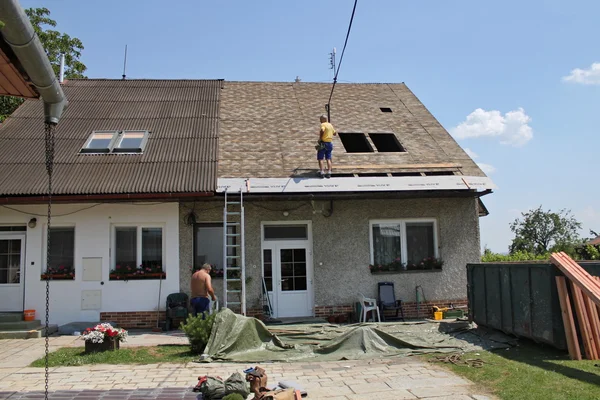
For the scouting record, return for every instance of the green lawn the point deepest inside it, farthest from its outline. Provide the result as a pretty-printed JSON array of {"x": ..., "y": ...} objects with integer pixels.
[
  {"x": 70, "y": 356},
  {"x": 533, "y": 372}
]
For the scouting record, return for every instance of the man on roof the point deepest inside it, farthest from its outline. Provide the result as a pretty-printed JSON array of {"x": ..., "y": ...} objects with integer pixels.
[{"x": 325, "y": 146}]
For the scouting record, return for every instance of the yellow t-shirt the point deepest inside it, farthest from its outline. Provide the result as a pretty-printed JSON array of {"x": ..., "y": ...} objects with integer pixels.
[{"x": 327, "y": 132}]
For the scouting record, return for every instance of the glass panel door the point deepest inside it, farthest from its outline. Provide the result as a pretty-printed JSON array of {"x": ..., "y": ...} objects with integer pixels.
[{"x": 11, "y": 272}]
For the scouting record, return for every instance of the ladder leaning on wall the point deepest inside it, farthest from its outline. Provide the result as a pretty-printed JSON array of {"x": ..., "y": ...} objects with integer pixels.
[{"x": 234, "y": 283}]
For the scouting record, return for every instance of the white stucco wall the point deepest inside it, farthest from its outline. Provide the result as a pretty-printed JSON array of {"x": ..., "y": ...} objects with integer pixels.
[{"x": 92, "y": 239}]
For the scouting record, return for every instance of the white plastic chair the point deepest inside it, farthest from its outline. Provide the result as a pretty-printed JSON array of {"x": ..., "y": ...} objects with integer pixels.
[{"x": 366, "y": 306}]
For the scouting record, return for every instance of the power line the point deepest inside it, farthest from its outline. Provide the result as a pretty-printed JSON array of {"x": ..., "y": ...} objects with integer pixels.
[{"x": 340, "y": 63}]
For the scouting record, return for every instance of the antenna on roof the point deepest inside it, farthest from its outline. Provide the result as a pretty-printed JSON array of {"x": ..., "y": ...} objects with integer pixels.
[
  {"x": 297, "y": 79},
  {"x": 125, "y": 63},
  {"x": 332, "y": 61}
]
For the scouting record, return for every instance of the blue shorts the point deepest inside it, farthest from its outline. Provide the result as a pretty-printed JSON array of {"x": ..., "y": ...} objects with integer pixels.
[
  {"x": 200, "y": 305},
  {"x": 326, "y": 152}
]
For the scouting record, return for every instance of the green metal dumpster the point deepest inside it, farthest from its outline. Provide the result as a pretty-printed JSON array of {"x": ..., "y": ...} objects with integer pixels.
[{"x": 519, "y": 299}]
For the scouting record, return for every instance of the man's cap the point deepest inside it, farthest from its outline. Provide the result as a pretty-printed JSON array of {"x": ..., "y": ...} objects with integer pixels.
[{"x": 323, "y": 117}]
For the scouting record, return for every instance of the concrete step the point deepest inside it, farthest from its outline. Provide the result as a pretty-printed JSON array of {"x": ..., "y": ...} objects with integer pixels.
[
  {"x": 19, "y": 326},
  {"x": 38, "y": 332},
  {"x": 11, "y": 317}
]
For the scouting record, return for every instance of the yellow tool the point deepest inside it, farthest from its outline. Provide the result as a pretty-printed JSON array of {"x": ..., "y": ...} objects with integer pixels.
[{"x": 438, "y": 309}]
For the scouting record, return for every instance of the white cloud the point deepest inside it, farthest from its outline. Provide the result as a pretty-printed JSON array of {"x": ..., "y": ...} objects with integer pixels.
[
  {"x": 511, "y": 128},
  {"x": 471, "y": 153},
  {"x": 486, "y": 168},
  {"x": 589, "y": 76}
]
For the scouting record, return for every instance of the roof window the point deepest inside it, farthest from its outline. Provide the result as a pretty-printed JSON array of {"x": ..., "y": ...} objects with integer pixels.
[
  {"x": 131, "y": 142},
  {"x": 385, "y": 109},
  {"x": 115, "y": 142},
  {"x": 100, "y": 142},
  {"x": 386, "y": 142},
  {"x": 355, "y": 143}
]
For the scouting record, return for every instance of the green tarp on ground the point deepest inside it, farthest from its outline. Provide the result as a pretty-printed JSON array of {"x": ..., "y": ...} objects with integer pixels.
[{"x": 241, "y": 339}]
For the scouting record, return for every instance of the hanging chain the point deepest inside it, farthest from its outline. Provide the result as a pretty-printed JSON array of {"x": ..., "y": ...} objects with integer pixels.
[{"x": 49, "y": 140}]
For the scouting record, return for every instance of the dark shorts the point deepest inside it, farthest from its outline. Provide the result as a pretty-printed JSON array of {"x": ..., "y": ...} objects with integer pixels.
[
  {"x": 326, "y": 152},
  {"x": 200, "y": 305}
]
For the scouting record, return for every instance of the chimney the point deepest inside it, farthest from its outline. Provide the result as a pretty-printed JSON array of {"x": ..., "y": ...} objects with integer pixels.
[{"x": 61, "y": 74}]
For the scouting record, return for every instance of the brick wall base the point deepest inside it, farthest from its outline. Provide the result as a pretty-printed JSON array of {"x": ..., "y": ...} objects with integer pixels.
[
  {"x": 410, "y": 309},
  {"x": 137, "y": 319},
  {"x": 147, "y": 319}
]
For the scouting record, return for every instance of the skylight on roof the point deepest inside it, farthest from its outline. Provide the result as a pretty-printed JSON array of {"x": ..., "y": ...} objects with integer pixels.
[
  {"x": 385, "y": 109},
  {"x": 386, "y": 142},
  {"x": 115, "y": 142},
  {"x": 131, "y": 142},
  {"x": 99, "y": 142}
]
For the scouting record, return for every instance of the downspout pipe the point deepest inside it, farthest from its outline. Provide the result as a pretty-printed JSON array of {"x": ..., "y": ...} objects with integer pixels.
[{"x": 21, "y": 37}]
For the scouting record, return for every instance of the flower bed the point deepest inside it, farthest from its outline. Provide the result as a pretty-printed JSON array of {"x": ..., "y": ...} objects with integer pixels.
[
  {"x": 127, "y": 273},
  {"x": 397, "y": 266},
  {"x": 60, "y": 273},
  {"x": 103, "y": 337}
]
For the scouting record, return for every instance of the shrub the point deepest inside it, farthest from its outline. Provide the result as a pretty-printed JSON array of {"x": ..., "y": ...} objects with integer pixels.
[
  {"x": 233, "y": 396},
  {"x": 198, "y": 331},
  {"x": 488, "y": 256}
]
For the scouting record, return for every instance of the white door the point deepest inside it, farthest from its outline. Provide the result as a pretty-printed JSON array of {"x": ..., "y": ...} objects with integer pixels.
[
  {"x": 290, "y": 263},
  {"x": 12, "y": 261}
]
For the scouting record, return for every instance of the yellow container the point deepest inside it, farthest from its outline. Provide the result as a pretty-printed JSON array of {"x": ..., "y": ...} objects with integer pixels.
[{"x": 437, "y": 315}]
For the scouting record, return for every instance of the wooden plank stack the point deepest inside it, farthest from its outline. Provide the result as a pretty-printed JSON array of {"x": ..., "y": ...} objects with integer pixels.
[{"x": 585, "y": 296}]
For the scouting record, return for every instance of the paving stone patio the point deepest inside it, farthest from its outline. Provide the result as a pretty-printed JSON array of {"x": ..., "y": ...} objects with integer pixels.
[{"x": 383, "y": 379}]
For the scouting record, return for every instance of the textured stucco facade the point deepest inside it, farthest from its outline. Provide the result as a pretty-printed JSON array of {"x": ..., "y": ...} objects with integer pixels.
[{"x": 341, "y": 247}]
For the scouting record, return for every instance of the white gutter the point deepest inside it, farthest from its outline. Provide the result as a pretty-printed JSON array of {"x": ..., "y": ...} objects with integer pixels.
[{"x": 21, "y": 37}]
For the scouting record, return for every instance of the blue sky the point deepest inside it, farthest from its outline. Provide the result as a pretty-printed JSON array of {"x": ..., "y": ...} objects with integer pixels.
[{"x": 536, "y": 131}]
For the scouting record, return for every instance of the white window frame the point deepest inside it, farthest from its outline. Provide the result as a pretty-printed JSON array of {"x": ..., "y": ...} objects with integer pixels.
[
  {"x": 138, "y": 252},
  {"x": 45, "y": 246},
  {"x": 116, "y": 145},
  {"x": 403, "y": 243},
  {"x": 86, "y": 149}
]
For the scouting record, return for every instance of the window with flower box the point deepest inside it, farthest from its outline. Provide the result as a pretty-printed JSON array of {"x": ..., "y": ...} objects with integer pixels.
[
  {"x": 61, "y": 265},
  {"x": 137, "y": 253},
  {"x": 404, "y": 245}
]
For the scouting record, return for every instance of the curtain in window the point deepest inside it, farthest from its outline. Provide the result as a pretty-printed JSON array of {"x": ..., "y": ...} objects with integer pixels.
[
  {"x": 62, "y": 247},
  {"x": 126, "y": 247},
  {"x": 419, "y": 241},
  {"x": 152, "y": 247},
  {"x": 387, "y": 241}
]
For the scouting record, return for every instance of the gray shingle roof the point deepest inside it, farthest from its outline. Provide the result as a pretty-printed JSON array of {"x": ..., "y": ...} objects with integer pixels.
[
  {"x": 269, "y": 129},
  {"x": 180, "y": 155}
]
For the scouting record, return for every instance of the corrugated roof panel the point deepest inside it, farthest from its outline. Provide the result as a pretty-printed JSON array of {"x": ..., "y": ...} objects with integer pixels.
[{"x": 180, "y": 155}]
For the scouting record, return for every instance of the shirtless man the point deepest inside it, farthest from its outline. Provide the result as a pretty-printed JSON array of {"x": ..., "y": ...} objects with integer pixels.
[{"x": 201, "y": 287}]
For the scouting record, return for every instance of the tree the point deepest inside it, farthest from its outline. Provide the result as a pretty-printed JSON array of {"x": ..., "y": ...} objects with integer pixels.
[
  {"x": 542, "y": 231},
  {"x": 55, "y": 43}
]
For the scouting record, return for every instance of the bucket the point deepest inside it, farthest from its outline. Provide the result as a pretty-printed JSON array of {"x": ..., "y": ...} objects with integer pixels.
[
  {"x": 29, "y": 315},
  {"x": 437, "y": 315}
]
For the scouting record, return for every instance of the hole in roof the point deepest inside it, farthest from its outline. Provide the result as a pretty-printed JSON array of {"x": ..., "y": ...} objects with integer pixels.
[
  {"x": 385, "y": 109},
  {"x": 386, "y": 142},
  {"x": 372, "y": 174},
  {"x": 355, "y": 143},
  {"x": 406, "y": 174},
  {"x": 439, "y": 173}
]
